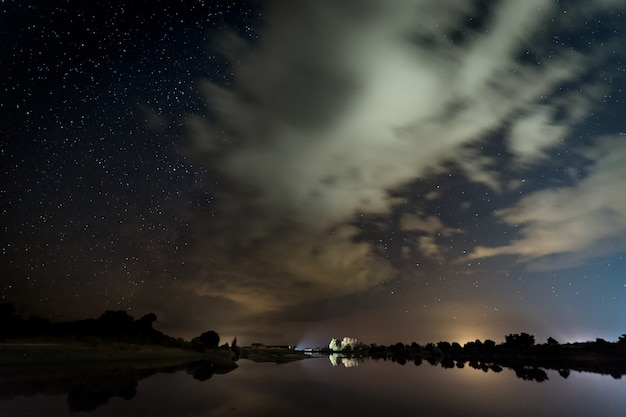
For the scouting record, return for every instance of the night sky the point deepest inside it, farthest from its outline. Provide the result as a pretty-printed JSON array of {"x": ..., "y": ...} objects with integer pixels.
[{"x": 292, "y": 171}]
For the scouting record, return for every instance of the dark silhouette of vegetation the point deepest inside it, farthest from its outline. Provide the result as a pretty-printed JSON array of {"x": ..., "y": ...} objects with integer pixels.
[
  {"x": 519, "y": 352},
  {"x": 522, "y": 340},
  {"x": 111, "y": 326},
  {"x": 235, "y": 348},
  {"x": 204, "y": 370},
  {"x": 210, "y": 339},
  {"x": 207, "y": 340},
  {"x": 116, "y": 326}
]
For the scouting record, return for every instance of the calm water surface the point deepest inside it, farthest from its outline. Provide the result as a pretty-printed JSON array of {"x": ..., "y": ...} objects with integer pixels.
[{"x": 315, "y": 387}]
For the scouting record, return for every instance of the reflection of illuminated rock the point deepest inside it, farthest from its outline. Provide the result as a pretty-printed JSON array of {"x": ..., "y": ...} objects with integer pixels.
[
  {"x": 350, "y": 362},
  {"x": 337, "y": 359}
]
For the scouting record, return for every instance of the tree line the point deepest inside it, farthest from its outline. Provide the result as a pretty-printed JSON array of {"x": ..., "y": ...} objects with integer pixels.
[
  {"x": 111, "y": 326},
  {"x": 519, "y": 352}
]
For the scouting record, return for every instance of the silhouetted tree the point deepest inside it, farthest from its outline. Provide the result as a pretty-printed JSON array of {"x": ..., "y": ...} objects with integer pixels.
[
  {"x": 196, "y": 344},
  {"x": 37, "y": 326},
  {"x": 145, "y": 323},
  {"x": 444, "y": 347},
  {"x": 430, "y": 347},
  {"x": 116, "y": 318},
  {"x": 7, "y": 311},
  {"x": 115, "y": 323},
  {"x": 210, "y": 339},
  {"x": 473, "y": 348},
  {"x": 10, "y": 323},
  {"x": 521, "y": 340},
  {"x": 622, "y": 340},
  {"x": 456, "y": 348},
  {"x": 601, "y": 345}
]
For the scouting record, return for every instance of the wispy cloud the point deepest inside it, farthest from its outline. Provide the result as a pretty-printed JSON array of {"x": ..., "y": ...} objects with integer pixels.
[
  {"x": 583, "y": 221},
  {"x": 336, "y": 105}
]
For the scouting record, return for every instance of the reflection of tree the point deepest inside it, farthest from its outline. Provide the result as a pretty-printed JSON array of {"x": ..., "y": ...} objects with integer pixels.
[
  {"x": 519, "y": 352},
  {"x": 495, "y": 367},
  {"x": 447, "y": 362},
  {"x": 432, "y": 361},
  {"x": 89, "y": 388},
  {"x": 205, "y": 369},
  {"x": 531, "y": 374},
  {"x": 98, "y": 391}
]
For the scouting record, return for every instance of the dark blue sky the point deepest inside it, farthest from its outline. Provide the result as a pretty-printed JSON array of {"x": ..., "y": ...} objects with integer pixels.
[{"x": 294, "y": 171}]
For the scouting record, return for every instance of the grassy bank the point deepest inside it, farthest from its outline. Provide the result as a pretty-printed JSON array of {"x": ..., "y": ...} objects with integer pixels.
[{"x": 85, "y": 355}]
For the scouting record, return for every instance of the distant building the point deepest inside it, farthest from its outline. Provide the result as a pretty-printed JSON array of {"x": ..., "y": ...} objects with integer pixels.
[
  {"x": 258, "y": 346},
  {"x": 261, "y": 346}
]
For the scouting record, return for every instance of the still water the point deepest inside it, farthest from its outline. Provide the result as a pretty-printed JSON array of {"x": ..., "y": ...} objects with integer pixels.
[{"x": 316, "y": 387}]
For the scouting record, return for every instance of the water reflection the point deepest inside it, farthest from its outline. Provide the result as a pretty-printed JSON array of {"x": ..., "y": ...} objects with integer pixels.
[
  {"x": 94, "y": 391},
  {"x": 347, "y": 361},
  {"x": 315, "y": 387},
  {"x": 524, "y": 372},
  {"x": 90, "y": 388}
]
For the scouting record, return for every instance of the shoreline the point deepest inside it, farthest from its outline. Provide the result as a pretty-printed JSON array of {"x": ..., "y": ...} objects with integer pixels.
[{"x": 49, "y": 356}]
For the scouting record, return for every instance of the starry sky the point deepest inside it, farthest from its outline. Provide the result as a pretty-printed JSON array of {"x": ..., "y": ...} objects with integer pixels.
[{"x": 292, "y": 171}]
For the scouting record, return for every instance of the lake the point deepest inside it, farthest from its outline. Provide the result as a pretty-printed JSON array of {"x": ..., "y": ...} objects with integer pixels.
[{"x": 314, "y": 387}]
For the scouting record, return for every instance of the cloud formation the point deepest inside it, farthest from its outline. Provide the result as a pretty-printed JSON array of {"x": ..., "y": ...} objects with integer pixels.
[
  {"x": 339, "y": 103},
  {"x": 579, "y": 222}
]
